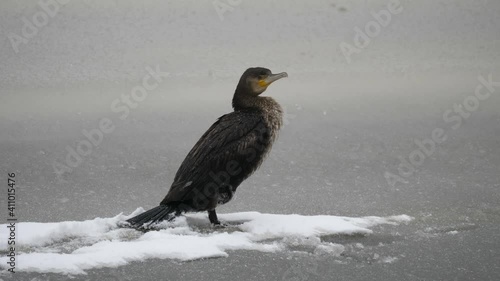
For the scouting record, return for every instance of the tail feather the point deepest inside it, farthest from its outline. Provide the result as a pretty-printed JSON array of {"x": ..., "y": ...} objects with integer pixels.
[{"x": 155, "y": 215}]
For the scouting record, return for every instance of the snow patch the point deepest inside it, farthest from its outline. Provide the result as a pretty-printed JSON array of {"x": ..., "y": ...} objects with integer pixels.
[{"x": 72, "y": 247}]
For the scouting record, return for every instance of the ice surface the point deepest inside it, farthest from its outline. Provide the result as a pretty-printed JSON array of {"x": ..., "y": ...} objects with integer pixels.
[
  {"x": 393, "y": 92},
  {"x": 73, "y": 247}
]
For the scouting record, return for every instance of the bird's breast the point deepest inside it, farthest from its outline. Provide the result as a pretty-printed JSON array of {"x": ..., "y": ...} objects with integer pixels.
[{"x": 273, "y": 117}]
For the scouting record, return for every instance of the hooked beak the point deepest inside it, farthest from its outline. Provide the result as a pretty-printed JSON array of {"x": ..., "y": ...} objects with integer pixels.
[{"x": 271, "y": 78}]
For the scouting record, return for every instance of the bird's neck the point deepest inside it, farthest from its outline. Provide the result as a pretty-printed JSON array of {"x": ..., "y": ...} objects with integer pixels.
[
  {"x": 242, "y": 101},
  {"x": 267, "y": 106},
  {"x": 247, "y": 102}
]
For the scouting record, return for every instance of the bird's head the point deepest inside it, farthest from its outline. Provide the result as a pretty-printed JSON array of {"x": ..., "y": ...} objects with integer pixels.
[{"x": 255, "y": 80}]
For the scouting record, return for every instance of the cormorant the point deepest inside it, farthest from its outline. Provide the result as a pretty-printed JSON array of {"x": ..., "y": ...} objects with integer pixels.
[{"x": 228, "y": 153}]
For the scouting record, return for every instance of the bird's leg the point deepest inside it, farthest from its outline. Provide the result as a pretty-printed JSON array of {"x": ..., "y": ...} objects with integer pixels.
[{"x": 212, "y": 216}]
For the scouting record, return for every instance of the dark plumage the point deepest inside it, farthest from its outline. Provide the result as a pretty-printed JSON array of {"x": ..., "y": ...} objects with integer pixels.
[{"x": 228, "y": 153}]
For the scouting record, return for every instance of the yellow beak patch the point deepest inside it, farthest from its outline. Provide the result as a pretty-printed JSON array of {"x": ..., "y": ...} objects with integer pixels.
[{"x": 263, "y": 83}]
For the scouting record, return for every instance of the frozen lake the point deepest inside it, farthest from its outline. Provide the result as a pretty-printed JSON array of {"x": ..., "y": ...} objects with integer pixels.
[{"x": 406, "y": 124}]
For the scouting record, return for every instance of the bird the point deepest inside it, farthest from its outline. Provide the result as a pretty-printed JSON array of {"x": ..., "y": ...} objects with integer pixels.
[{"x": 230, "y": 151}]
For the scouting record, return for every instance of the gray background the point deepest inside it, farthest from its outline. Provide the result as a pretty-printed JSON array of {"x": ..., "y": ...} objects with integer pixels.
[{"x": 346, "y": 125}]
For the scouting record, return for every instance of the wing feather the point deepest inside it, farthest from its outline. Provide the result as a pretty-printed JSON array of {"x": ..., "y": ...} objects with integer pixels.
[{"x": 229, "y": 138}]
